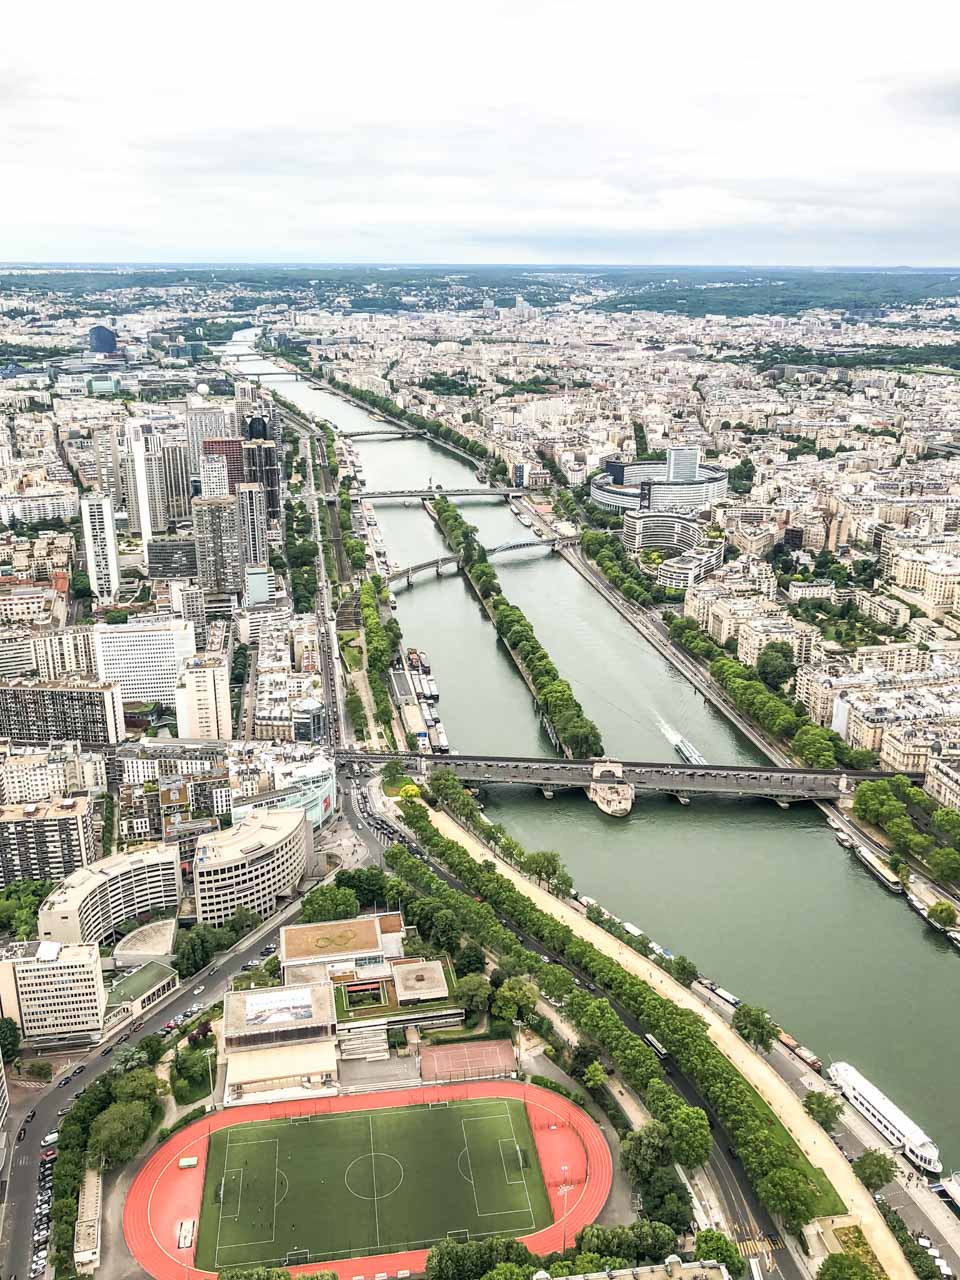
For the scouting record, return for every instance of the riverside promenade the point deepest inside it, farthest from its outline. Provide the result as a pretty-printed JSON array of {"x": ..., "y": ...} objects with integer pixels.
[{"x": 813, "y": 1141}]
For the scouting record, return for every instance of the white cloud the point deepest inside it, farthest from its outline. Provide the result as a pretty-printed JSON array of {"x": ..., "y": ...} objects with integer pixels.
[{"x": 437, "y": 132}]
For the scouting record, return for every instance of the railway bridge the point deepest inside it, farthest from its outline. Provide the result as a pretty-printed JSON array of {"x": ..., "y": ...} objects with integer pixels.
[
  {"x": 622, "y": 781},
  {"x": 438, "y": 564}
]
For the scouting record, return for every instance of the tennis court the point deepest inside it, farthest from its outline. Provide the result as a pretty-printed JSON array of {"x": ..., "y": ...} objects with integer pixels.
[{"x": 332, "y": 1186}]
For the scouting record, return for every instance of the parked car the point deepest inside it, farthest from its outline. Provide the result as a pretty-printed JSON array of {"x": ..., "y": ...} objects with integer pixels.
[
  {"x": 49, "y": 1139},
  {"x": 137, "y": 1026}
]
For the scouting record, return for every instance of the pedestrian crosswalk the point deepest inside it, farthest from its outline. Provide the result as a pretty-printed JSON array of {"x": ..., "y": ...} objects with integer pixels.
[{"x": 756, "y": 1247}]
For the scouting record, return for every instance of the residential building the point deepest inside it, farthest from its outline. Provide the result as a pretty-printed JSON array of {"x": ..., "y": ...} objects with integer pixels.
[
  {"x": 253, "y": 864},
  {"x": 230, "y": 449},
  {"x": 89, "y": 710},
  {"x": 202, "y": 697},
  {"x": 64, "y": 653},
  {"x": 16, "y": 652},
  {"x": 175, "y": 465},
  {"x": 216, "y": 527},
  {"x": 45, "y": 841},
  {"x": 251, "y": 503},
  {"x": 173, "y": 556},
  {"x": 214, "y": 478},
  {"x": 261, "y": 465},
  {"x": 755, "y": 635},
  {"x": 94, "y": 901},
  {"x": 32, "y": 774},
  {"x": 186, "y": 600},
  {"x": 100, "y": 546}
]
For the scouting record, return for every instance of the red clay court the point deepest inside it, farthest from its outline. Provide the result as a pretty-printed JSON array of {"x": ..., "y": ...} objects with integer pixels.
[
  {"x": 481, "y": 1060},
  {"x": 164, "y": 1196}
]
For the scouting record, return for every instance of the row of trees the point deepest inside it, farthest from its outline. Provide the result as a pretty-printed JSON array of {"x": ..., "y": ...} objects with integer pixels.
[
  {"x": 756, "y": 692},
  {"x": 611, "y": 558},
  {"x": 430, "y": 426},
  {"x": 382, "y": 643},
  {"x": 769, "y": 1156},
  {"x": 196, "y": 947},
  {"x": 575, "y": 730},
  {"x": 890, "y": 805}
]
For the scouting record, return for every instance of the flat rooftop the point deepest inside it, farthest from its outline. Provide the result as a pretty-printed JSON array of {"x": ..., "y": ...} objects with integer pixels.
[
  {"x": 419, "y": 980},
  {"x": 138, "y": 983},
  {"x": 330, "y": 938},
  {"x": 277, "y": 1009}
]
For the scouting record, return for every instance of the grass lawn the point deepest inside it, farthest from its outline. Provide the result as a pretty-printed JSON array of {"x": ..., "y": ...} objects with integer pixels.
[
  {"x": 828, "y": 1202},
  {"x": 317, "y": 1188}
]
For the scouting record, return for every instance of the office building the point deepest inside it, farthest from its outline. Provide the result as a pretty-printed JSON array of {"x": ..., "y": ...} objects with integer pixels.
[
  {"x": 202, "y": 697},
  {"x": 144, "y": 656},
  {"x": 253, "y": 864},
  {"x": 100, "y": 546},
  {"x": 251, "y": 502},
  {"x": 216, "y": 528},
  {"x": 174, "y": 458},
  {"x": 54, "y": 991},
  {"x": 76, "y": 706},
  {"x": 173, "y": 556},
  {"x": 680, "y": 484},
  {"x": 102, "y": 340},
  {"x": 205, "y": 419},
  {"x": 261, "y": 465},
  {"x": 259, "y": 585},
  {"x": 45, "y": 841},
  {"x": 94, "y": 901}
]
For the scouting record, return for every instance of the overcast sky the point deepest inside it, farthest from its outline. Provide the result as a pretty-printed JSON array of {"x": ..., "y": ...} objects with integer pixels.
[{"x": 609, "y": 131}]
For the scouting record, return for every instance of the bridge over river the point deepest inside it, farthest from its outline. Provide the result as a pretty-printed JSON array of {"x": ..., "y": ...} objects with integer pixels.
[
  {"x": 630, "y": 778},
  {"x": 408, "y": 572}
]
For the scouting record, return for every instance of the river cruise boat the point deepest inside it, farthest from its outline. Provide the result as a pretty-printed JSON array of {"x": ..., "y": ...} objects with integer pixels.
[
  {"x": 886, "y": 1117},
  {"x": 843, "y": 840},
  {"x": 687, "y": 752}
]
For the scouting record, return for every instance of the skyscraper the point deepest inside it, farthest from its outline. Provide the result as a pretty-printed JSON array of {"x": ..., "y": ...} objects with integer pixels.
[
  {"x": 203, "y": 697},
  {"x": 230, "y": 448},
  {"x": 110, "y": 464},
  {"x": 176, "y": 479},
  {"x": 253, "y": 524},
  {"x": 206, "y": 418},
  {"x": 261, "y": 465},
  {"x": 216, "y": 528},
  {"x": 146, "y": 497},
  {"x": 100, "y": 546}
]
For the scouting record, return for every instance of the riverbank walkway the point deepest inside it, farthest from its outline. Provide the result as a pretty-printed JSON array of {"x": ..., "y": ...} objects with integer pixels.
[{"x": 809, "y": 1137}]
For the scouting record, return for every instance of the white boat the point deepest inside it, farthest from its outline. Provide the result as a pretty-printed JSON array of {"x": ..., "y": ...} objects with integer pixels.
[
  {"x": 843, "y": 841},
  {"x": 886, "y": 1117},
  {"x": 688, "y": 752}
]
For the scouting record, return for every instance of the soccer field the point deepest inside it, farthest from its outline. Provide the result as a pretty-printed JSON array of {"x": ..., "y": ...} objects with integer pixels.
[{"x": 313, "y": 1188}]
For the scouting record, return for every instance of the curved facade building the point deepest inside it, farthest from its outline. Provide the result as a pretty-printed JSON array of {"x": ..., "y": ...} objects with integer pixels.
[
  {"x": 681, "y": 483},
  {"x": 252, "y": 864},
  {"x": 93, "y": 901},
  {"x": 657, "y": 531}
]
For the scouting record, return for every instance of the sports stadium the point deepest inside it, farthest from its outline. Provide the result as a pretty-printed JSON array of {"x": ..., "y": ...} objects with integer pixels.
[{"x": 366, "y": 1184}]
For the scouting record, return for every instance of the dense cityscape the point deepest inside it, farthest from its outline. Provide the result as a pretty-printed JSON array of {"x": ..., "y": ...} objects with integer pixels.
[{"x": 374, "y": 644}]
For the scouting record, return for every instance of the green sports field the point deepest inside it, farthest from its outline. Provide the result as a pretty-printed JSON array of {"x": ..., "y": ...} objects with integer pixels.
[{"x": 312, "y": 1188}]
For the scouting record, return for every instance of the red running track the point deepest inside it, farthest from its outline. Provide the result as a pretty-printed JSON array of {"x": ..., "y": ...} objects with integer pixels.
[{"x": 163, "y": 1194}]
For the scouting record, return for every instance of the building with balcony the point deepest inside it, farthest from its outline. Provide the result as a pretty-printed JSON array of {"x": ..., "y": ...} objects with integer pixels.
[
  {"x": 254, "y": 864},
  {"x": 94, "y": 901}
]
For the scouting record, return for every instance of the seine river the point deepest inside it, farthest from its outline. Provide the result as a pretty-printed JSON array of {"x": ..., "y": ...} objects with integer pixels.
[{"x": 763, "y": 900}]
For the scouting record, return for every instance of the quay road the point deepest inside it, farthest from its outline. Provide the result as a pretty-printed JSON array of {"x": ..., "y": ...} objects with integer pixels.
[
  {"x": 17, "y": 1236},
  {"x": 745, "y": 1217},
  {"x": 553, "y": 774}
]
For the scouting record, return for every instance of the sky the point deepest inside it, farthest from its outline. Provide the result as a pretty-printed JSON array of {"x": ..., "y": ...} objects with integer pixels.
[{"x": 603, "y": 132}]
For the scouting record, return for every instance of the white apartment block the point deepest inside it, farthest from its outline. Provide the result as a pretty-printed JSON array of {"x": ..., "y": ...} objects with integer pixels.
[
  {"x": 144, "y": 656},
  {"x": 29, "y": 775},
  {"x": 60, "y": 653},
  {"x": 93, "y": 902},
  {"x": 252, "y": 864},
  {"x": 202, "y": 697},
  {"x": 100, "y": 546},
  {"x": 16, "y": 652},
  {"x": 943, "y": 779},
  {"x": 54, "y": 992},
  {"x": 26, "y": 603},
  {"x": 754, "y": 636}
]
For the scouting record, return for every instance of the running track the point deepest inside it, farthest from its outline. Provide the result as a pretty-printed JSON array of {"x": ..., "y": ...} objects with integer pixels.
[{"x": 164, "y": 1194}]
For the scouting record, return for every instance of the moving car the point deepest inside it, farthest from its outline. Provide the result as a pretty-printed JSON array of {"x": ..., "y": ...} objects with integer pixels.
[{"x": 198, "y": 990}]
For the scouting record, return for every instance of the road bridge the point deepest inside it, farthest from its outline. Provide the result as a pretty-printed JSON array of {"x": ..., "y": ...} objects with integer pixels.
[
  {"x": 735, "y": 781},
  {"x": 383, "y": 494},
  {"x": 437, "y": 564}
]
